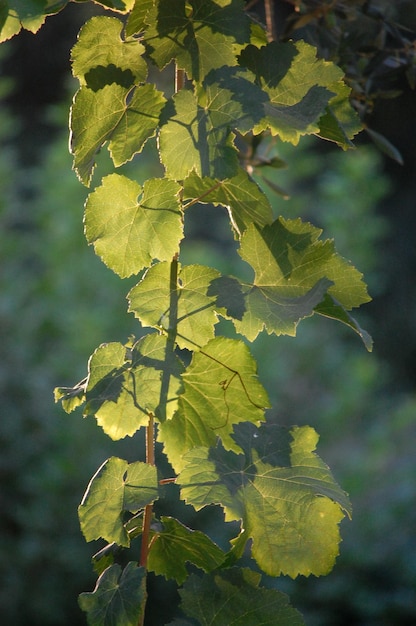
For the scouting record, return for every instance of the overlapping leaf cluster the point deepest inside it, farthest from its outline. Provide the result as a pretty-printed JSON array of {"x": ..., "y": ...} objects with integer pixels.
[{"x": 209, "y": 405}]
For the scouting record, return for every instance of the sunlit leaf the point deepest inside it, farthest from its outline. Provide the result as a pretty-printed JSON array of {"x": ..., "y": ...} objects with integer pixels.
[
  {"x": 221, "y": 389},
  {"x": 300, "y": 87},
  {"x": 151, "y": 302},
  {"x": 240, "y": 195},
  {"x": 284, "y": 494},
  {"x": 125, "y": 385},
  {"x": 117, "y": 487},
  {"x": 199, "y": 35},
  {"x": 100, "y": 45},
  {"x": 130, "y": 226}
]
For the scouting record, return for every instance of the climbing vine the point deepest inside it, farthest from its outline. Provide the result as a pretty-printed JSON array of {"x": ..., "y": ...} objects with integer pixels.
[{"x": 232, "y": 92}]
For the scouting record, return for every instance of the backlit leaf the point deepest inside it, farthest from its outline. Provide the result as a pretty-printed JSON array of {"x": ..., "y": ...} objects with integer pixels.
[
  {"x": 113, "y": 113},
  {"x": 284, "y": 494},
  {"x": 293, "y": 272},
  {"x": 221, "y": 389},
  {"x": 125, "y": 385},
  {"x": 300, "y": 87},
  {"x": 117, "y": 487},
  {"x": 199, "y": 35},
  {"x": 130, "y": 227},
  {"x": 150, "y": 301},
  {"x": 100, "y": 45},
  {"x": 240, "y": 194}
]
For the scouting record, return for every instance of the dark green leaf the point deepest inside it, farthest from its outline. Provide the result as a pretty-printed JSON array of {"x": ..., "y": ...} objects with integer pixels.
[
  {"x": 118, "y": 598},
  {"x": 234, "y": 597},
  {"x": 176, "y": 545}
]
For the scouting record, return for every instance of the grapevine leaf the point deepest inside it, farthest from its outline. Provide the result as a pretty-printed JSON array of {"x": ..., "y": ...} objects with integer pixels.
[
  {"x": 220, "y": 389},
  {"x": 112, "y": 113},
  {"x": 71, "y": 397},
  {"x": 177, "y": 545},
  {"x": 233, "y": 596},
  {"x": 125, "y": 386},
  {"x": 128, "y": 234},
  {"x": 329, "y": 307},
  {"x": 188, "y": 141},
  {"x": 27, "y": 14},
  {"x": 100, "y": 49},
  {"x": 340, "y": 123},
  {"x": 115, "y": 488},
  {"x": 196, "y": 133},
  {"x": 240, "y": 194},
  {"x": 136, "y": 21},
  {"x": 300, "y": 87},
  {"x": 118, "y": 598},
  {"x": 150, "y": 301},
  {"x": 293, "y": 272},
  {"x": 137, "y": 125},
  {"x": 199, "y": 35},
  {"x": 284, "y": 494}
]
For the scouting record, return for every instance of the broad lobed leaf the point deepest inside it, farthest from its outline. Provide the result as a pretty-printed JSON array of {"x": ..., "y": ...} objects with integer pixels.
[
  {"x": 176, "y": 545},
  {"x": 150, "y": 301},
  {"x": 125, "y": 385},
  {"x": 116, "y": 488},
  {"x": 220, "y": 389},
  {"x": 129, "y": 226},
  {"x": 118, "y": 598},
  {"x": 199, "y": 35},
  {"x": 284, "y": 494},
  {"x": 234, "y": 596}
]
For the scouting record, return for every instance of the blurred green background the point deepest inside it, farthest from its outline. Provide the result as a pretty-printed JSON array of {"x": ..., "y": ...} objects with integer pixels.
[{"x": 58, "y": 303}]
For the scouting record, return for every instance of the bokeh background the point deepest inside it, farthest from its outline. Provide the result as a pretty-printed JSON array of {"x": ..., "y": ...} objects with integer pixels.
[{"x": 58, "y": 303}]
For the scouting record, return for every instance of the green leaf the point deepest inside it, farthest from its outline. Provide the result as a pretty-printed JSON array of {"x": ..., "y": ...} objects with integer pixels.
[
  {"x": 284, "y": 494},
  {"x": 299, "y": 86},
  {"x": 196, "y": 133},
  {"x": 71, "y": 397},
  {"x": 221, "y": 389},
  {"x": 125, "y": 386},
  {"x": 243, "y": 198},
  {"x": 118, "y": 598},
  {"x": 136, "y": 21},
  {"x": 100, "y": 45},
  {"x": 27, "y": 14},
  {"x": 332, "y": 309},
  {"x": 188, "y": 141},
  {"x": 113, "y": 113},
  {"x": 150, "y": 301},
  {"x": 293, "y": 272},
  {"x": 127, "y": 233},
  {"x": 234, "y": 597},
  {"x": 115, "y": 488},
  {"x": 340, "y": 123},
  {"x": 199, "y": 35},
  {"x": 176, "y": 545}
]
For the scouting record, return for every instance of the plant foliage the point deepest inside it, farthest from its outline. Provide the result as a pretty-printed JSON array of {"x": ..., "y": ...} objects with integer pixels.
[{"x": 195, "y": 391}]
